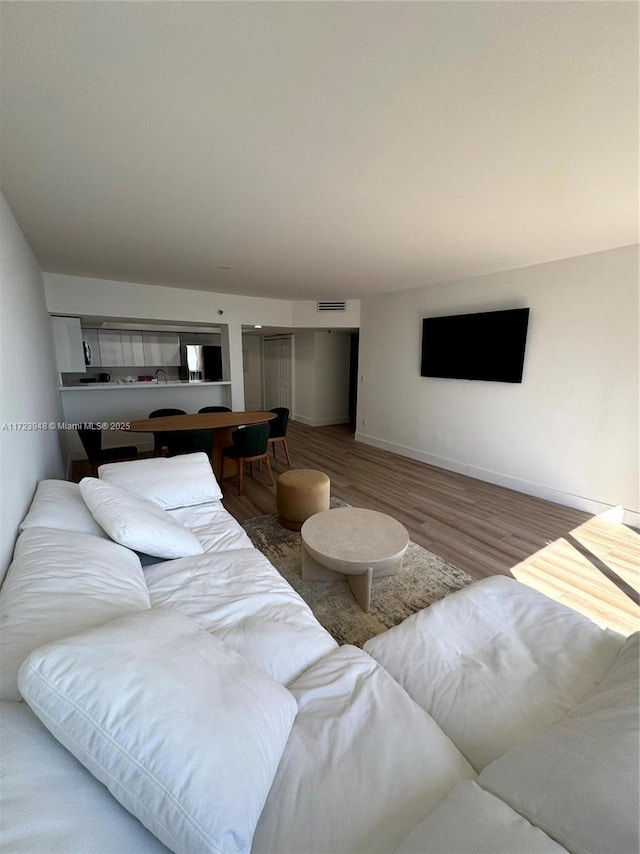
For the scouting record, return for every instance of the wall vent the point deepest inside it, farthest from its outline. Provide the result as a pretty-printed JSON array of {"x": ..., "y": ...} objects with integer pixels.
[{"x": 332, "y": 305}]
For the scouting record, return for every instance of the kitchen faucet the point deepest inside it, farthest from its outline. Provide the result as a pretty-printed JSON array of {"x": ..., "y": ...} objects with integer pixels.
[{"x": 164, "y": 372}]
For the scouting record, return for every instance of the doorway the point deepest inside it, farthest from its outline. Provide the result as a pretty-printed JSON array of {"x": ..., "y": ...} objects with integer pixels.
[
  {"x": 353, "y": 379},
  {"x": 277, "y": 373}
]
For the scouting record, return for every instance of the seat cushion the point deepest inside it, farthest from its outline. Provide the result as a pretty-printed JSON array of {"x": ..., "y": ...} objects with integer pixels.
[
  {"x": 135, "y": 522},
  {"x": 59, "y": 504},
  {"x": 170, "y": 482},
  {"x": 495, "y": 663},
  {"x": 579, "y": 779},
  {"x": 363, "y": 765},
  {"x": 215, "y": 527},
  {"x": 184, "y": 733},
  {"x": 60, "y": 582},
  {"x": 471, "y": 821},
  {"x": 51, "y": 804},
  {"x": 242, "y": 599}
]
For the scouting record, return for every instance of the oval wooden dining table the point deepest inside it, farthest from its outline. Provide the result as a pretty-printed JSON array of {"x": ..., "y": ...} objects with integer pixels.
[{"x": 221, "y": 424}]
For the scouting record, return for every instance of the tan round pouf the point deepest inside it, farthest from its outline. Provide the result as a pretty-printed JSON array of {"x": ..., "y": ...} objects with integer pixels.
[{"x": 300, "y": 493}]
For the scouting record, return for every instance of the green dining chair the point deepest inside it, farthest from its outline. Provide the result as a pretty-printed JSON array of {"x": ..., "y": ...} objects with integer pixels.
[
  {"x": 250, "y": 445},
  {"x": 278, "y": 430},
  {"x": 161, "y": 439}
]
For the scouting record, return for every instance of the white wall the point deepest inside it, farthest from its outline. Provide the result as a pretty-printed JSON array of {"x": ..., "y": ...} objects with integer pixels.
[
  {"x": 305, "y": 313},
  {"x": 568, "y": 433},
  {"x": 332, "y": 377},
  {"x": 252, "y": 369},
  {"x": 321, "y": 377},
  {"x": 304, "y": 377},
  {"x": 78, "y": 295},
  {"x": 28, "y": 382}
]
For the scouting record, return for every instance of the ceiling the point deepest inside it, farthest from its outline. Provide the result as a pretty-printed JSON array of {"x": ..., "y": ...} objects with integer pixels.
[{"x": 320, "y": 150}]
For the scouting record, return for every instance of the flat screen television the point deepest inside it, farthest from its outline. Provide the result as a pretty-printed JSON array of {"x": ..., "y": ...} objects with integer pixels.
[{"x": 488, "y": 345}]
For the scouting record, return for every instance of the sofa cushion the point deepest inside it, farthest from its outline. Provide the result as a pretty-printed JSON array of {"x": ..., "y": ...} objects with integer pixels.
[
  {"x": 51, "y": 804},
  {"x": 579, "y": 779},
  {"x": 181, "y": 729},
  {"x": 171, "y": 482},
  {"x": 59, "y": 504},
  {"x": 243, "y": 600},
  {"x": 60, "y": 582},
  {"x": 495, "y": 663},
  {"x": 363, "y": 765},
  {"x": 135, "y": 522},
  {"x": 471, "y": 821},
  {"x": 215, "y": 528}
]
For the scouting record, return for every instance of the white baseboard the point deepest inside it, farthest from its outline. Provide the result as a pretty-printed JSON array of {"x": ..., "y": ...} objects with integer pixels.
[
  {"x": 320, "y": 422},
  {"x": 548, "y": 493}
]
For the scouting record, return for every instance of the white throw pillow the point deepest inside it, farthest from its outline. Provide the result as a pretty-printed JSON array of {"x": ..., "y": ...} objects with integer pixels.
[
  {"x": 59, "y": 504},
  {"x": 135, "y": 522},
  {"x": 579, "y": 779},
  {"x": 184, "y": 732},
  {"x": 61, "y": 582},
  {"x": 171, "y": 482}
]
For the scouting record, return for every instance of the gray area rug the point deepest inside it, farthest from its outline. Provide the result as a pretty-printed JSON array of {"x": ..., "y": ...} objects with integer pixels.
[{"x": 424, "y": 579}]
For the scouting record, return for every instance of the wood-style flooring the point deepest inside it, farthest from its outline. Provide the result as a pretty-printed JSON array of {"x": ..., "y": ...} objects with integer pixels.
[{"x": 590, "y": 563}]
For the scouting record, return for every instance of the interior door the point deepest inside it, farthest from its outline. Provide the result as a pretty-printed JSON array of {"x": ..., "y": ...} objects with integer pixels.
[{"x": 277, "y": 373}]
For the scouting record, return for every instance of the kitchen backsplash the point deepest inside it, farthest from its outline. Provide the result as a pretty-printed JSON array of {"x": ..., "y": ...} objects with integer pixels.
[{"x": 119, "y": 373}]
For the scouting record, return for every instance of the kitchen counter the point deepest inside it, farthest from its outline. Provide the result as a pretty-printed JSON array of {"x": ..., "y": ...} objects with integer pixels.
[
  {"x": 138, "y": 384},
  {"x": 118, "y": 403}
]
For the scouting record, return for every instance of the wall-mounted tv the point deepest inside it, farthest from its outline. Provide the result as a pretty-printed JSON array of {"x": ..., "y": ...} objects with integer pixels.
[{"x": 488, "y": 345}]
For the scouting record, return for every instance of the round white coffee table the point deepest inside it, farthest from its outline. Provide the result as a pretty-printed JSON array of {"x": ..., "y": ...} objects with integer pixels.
[{"x": 352, "y": 544}]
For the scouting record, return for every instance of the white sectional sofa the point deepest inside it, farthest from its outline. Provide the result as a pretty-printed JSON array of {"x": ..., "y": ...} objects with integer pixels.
[{"x": 163, "y": 688}]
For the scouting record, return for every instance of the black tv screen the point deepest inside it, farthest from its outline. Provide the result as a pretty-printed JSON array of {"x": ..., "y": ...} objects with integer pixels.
[{"x": 488, "y": 345}]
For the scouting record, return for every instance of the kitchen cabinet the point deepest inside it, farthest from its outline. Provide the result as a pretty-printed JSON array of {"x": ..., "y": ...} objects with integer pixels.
[
  {"x": 67, "y": 337},
  {"x": 161, "y": 348},
  {"x": 92, "y": 349},
  {"x": 121, "y": 349},
  {"x": 132, "y": 349},
  {"x": 110, "y": 348},
  {"x": 170, "y": 348},
  {"x": 151, "y": 348}
]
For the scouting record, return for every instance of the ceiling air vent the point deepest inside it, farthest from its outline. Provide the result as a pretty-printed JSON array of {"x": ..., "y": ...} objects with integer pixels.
[{"x": 332, "y": 305}]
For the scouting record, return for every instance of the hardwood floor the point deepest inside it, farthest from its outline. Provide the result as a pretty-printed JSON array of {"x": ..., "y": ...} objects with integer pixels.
[{"x": 589, "y": 563}]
